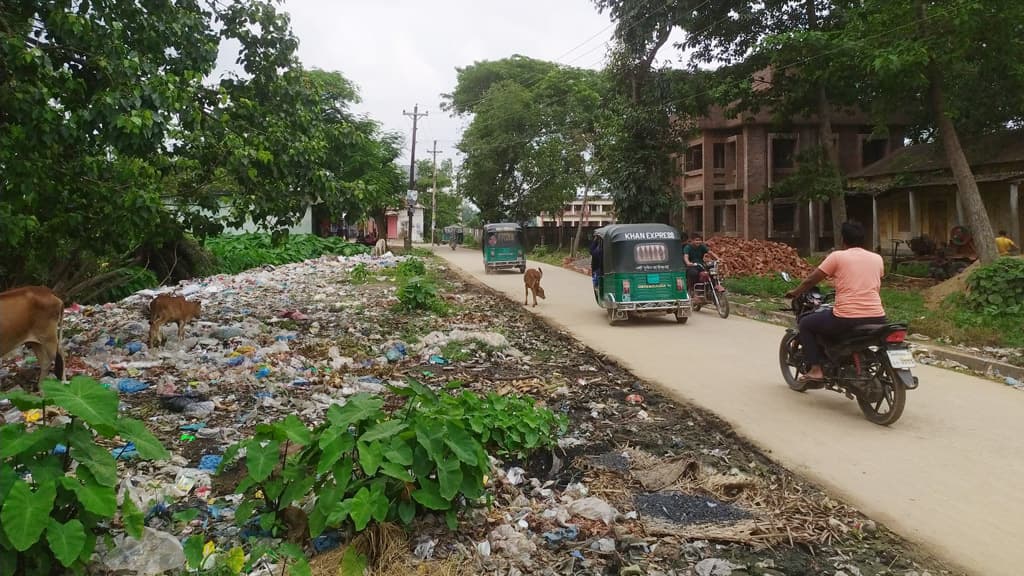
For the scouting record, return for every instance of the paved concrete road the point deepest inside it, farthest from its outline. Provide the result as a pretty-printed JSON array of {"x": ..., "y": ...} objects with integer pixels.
[{"x": 949, "y": 475}]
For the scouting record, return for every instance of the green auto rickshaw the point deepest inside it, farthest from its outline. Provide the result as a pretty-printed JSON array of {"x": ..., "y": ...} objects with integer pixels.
[
  {"x": 503, "y": 247},
  {"x": 643, "y": 272}
]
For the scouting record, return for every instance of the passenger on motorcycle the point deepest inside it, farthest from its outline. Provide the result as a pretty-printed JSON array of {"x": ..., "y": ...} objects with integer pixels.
[
  {"x": 857, "y": 276},
  {"x": 693, "y": 256}
]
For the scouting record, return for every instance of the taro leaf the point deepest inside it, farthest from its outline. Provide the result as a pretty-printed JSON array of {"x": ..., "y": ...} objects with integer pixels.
[
  {"x": 430, "y": 436},
  {"x": 361, "y": 508},
  {"x": 7, "y": 479},
  {"x": 273, "y": 488},
  {"x": 66, "y": 540},
  {"x": 133, "y": 520},
  {"x": 85, "y": 398},
  {"x": 379, "y": 501},
  {"x": 147, "y": 444},
  {"x": 295, "y": 430},
  {"x": 186, "y": 516},
  {"x": 244, "y": 511},
  {"x": 352, "y": 563},
  {"x": 370, "y": 457},
  {"x": 25, "y": 513},
  {"x": 399, "y": 452},
  {"x": 194, "y": 551},
  {"x": 429, "y": 496},
  {"x": 449, "y": 476},
  {"x": 22, "y": 400},
  {"x": 96, "y": 498},
  {"x": 14, "y": 440},
  {"x": 452, "y": 520},
  {"x": 229, "y": 456},
  {"x": 235, "y": 560},
  {"x": 317, "y": 522},
  {"x": 462, "y": 444},
  {"x": 358, "y": 408},
  {"x": 332, "y": 448},
  {"x": 396, "y": 471},
  {"x": 387, "y": 429},
  {"x": 340, "y": 511},
  {"x": 422, "y": 391},
  {"x": 300, "y": 567},
  {"x": 94, "y": 457},
  {"x": 406, "y": 511},
  {"x": 297, "y": 489},
  {"x": 343, "y": 473},
  {"x": 472, "y": 483},
  {"x": 260, "y": 460}
]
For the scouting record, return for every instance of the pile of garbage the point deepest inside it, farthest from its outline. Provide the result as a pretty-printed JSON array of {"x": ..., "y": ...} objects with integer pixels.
[
  {"x": 743, "y": 257},
  {"x": 685, "y": 497}
]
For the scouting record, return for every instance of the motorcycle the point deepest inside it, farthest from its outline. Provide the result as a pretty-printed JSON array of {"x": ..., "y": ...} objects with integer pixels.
[
  {"x": 870, "y": 364},
  {"x": 706, "y": 292}
]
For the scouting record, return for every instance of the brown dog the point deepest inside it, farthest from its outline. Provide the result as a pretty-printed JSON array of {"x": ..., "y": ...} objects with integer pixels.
[
  {"x": 532, "y": 281},
  {"x": 33, "y": 315},
  {"x": 166, "y": 308}
]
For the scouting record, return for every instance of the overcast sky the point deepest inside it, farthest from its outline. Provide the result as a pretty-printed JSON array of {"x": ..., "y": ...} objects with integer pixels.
[{"x": 404, "y": 52}]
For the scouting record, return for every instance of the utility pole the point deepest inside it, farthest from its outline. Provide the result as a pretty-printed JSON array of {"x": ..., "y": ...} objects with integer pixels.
[
  {"x": 415, "y": 115},
  {"x": 433, "y": 196}
]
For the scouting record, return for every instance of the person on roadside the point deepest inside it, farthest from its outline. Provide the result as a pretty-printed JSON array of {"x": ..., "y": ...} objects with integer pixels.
[
  {"x": 693, "y": 256},
  {"x": 857, "y": 276},
  {"x": 1004, "y": 244},
  {"x": 596, "y": 259}
]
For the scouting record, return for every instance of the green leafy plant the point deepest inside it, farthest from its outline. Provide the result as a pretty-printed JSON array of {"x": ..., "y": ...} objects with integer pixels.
[
  {"x": 51, "y": 517},
  {"x": 420, "y": 293},
  {"x": 410, "y": 268},
  {"x": 238, "y": 253},
  {"x": 364, "y": 464},
  {"x": 359, "y": 274},
  {"x": 997, "y": 289}
]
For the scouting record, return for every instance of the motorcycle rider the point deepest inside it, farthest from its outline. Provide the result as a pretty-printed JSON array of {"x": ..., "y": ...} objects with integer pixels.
[
  {"x": 857, "y": 276},
  {"x": 693, "y": 257}
]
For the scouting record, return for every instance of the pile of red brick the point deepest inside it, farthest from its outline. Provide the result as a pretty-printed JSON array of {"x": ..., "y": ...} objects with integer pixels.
[{"x": 758, "y": 257}]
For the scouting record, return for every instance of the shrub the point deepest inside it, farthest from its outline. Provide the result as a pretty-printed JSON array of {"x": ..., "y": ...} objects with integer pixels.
[
  {"x": 364, "y": 464},
  {"x": 997, "y": 289},
  {"x": 129, "y": 281},
  {"x": 50, "y": 519},
  {"x": 242, "y": 252},
  {"x": 410, "y": 268},
  {"x": 359, "y": 273}
]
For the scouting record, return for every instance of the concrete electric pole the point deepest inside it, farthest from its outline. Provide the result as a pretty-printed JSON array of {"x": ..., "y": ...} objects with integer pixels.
[
  {"x": 410, "y": 199},
  {"x": 433, "y": 196}
]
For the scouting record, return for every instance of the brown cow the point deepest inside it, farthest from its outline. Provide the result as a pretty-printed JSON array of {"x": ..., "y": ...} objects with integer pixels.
[
  {"x": 166, "y": 308},
  {"x": 33, "y": 315}
]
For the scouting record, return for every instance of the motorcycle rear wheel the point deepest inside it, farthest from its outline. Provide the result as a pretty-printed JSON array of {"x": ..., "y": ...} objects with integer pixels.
[
  {"x": 790, "y": 362},
  {"x": 893, "y": 395}
]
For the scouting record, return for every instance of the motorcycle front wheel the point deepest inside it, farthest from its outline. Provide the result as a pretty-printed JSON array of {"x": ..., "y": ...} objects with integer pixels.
[
  {"x": 721, "y": 303},
  {"x": 791, "y": 361},
  {"x": 882, "y": 401}
]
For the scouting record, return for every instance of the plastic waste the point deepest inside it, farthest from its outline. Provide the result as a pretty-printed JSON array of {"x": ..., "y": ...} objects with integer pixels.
[
  {"x": 438, "y": 360},
  {"x": 131, "y": 385},
  {"x": 155, "y": 553},
  {"x": 593, "y": 508},
  {"x": 126, "y": 452},
  {"x": 210, "y": 462}
]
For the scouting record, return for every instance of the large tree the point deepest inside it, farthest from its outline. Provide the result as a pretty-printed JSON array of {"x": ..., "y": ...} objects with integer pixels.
[
  {"x": 110, "y": 139},
  {"x": 530, "y": 145},
  {"x": 963, "y": 58}
]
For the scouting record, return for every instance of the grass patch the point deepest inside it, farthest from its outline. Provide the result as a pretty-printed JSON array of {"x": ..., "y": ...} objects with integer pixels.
[
  {"x": 549, "y": 255},
  {"x": 913, "y": 269},
  {"x": 951, "y": 321}
]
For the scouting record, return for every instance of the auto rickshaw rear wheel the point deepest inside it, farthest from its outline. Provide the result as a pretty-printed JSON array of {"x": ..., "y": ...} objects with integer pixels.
[
  {"x": 522, "y": 269},
  {"x": 681, "y": 319}
]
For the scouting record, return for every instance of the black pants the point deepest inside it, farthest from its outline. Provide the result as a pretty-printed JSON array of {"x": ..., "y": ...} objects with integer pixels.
[
  {"x": 824, "y": 323},
  {"x": 693, "y": 275}
]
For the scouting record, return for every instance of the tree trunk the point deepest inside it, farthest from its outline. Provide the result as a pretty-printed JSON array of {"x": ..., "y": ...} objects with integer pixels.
[
  {"x": 967, "y": 186},
  {"x": 838, "y": 200},
  {"x": 579, "y": 225}
]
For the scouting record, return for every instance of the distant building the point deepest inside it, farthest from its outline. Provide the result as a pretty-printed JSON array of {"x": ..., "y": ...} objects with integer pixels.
[
  {"x": 731, "y": 161},
  {"x": 599, "y": 212}
]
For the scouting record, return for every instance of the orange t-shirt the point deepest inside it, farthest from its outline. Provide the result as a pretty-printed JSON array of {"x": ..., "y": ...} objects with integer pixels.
[{"x": 857, "y": 275}]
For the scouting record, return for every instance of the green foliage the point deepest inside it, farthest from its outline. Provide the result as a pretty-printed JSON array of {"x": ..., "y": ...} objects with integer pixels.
[
  {"x": 531, "y": 142},
  {"x": 760, "y": 286},
  {"x": 815, "y": 178},
  {"x": 111, "y": 139},
  {"x": 997, "y": 289},
  {"x": 49, "y": 517},
  {"x": 410, "y": 267},
  {"x": 236, "y": 254},
  {"x": 132, "y": 280},
  {"x": 914, "y": 269},
  {"x": 365, "y": 465},
  {"x": 359, "y": 274},
  {"x": 420, "y": 293}
]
